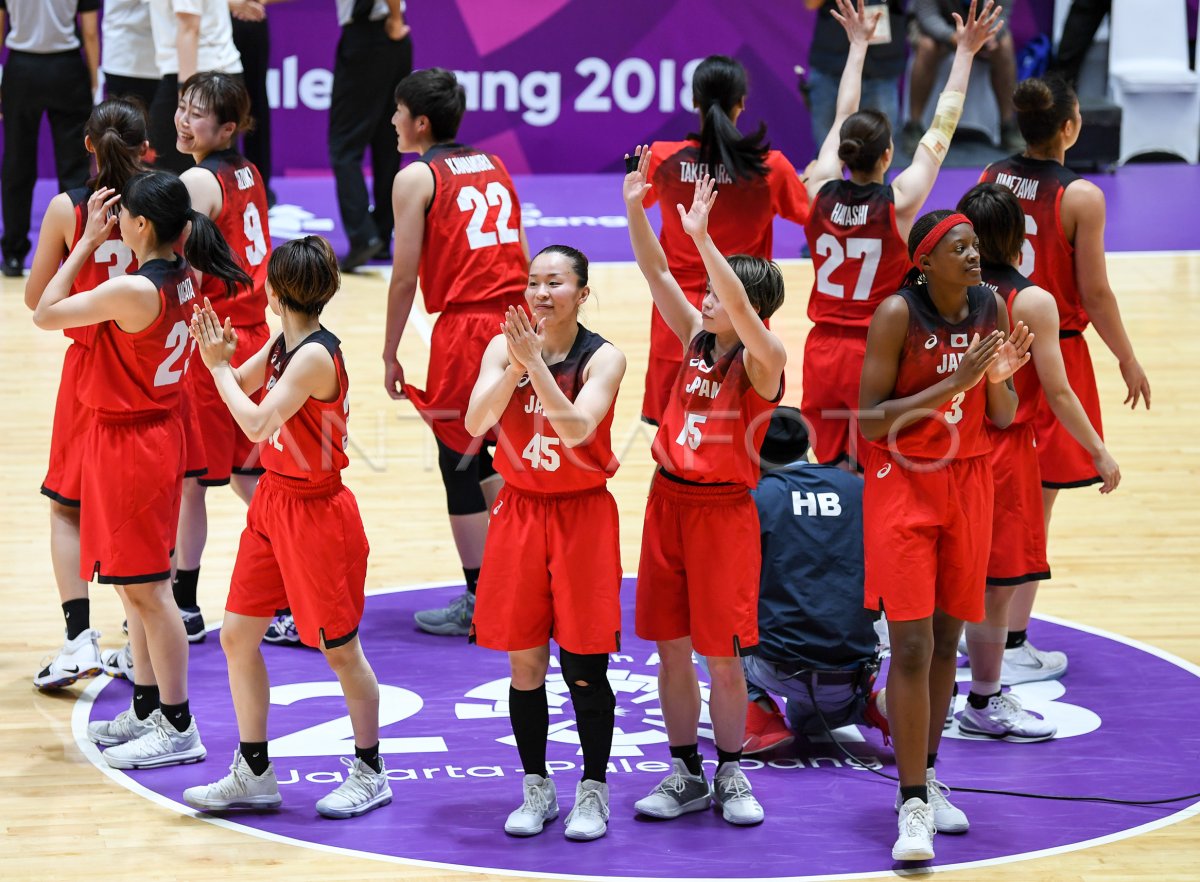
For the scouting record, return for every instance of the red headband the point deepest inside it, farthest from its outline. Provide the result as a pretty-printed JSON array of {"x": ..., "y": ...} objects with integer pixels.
[{"x": 935, "y": 235}]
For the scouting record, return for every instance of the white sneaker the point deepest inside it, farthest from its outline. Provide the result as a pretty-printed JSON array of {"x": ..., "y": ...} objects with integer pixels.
[
  {"x": 126, "y": 727},
  {"x": 589, "y": 817},
  {"x": 1004, "y": 719},
  {"x": 241, "y": 788},
  {"x": 732, "y": 792},
  {"x": 77, "y": 660},
  {"x": 118, "y": 663},
  {"x": 1027, "y": 664},
  {"x": 947, "y": 818},
  {"x": 882, "y": 637},
  {"x": 915, "y": 842},
  {"x": 540, "y": 806},
  {"x": 163, "y": 745},
  {"x": 677, "y": 794},
  {"x": 363, "y": 790}
]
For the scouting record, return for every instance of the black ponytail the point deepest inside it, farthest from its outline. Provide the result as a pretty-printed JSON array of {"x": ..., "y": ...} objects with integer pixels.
[
  {"x": 207, "y": 250},
  {"x": 717, "y": 86},
  {"x": 163, "y": 200},
  {"x": 117, "y": 130}
]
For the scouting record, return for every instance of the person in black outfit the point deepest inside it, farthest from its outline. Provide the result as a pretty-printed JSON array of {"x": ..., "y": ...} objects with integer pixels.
[
  {"x": 253, "y": 40},
  {"x": 373, "y": 55},
  {"x": 1079, "y": 30},
  {"x": 45, "y": 75}
]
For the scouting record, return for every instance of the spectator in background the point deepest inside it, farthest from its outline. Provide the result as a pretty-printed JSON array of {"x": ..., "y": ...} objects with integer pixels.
[
  {"x": 253, "y": 41},
  {"x": 1079, "y": 30},
  {"x": 373, "y": 55},
  {"x": 129, "y": 68},
  {"x": 881, "y": 73},
  {"x": 45, "y": 75},
  {"x": 816, "y": 642},
  {"x": 933, "y": 37},
  {"x": 190, "y": 36}
]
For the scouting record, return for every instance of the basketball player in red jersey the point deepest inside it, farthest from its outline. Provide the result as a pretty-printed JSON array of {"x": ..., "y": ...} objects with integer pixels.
[
  {"x": 858, "y": 227},
  {"x": 304, "y": 545},
  {"x": 690, "y": 594},
  {"x": 1018, "y": 553},
  {"x": 549, "y": 386},
  {"x": 458, "y": 229},
  {"x": 116, "y": 134},
  {"x": 927, "y": 501},
  {"x": 757, "y": 185},
  {"x": 133, "y": 457},
  {"x": 1063, "y": 254},
  {"x": 226, "y": 187}
]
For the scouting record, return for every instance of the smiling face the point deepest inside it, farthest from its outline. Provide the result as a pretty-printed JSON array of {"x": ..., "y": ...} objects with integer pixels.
[
  {"x": 553, "y": 292},
  {"x": 197, "y": 131},
  {"x": 955, "y": 259}
]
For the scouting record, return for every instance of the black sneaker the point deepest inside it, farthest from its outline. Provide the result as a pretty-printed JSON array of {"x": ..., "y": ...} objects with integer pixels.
[
  {"x": 14, "y": 267},
  {"x": 360, "y": 254},
  {"x": 193, "y": 623}
]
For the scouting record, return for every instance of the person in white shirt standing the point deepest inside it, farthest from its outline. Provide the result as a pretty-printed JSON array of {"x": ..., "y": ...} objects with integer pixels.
[{"x": 128, "y": 62}]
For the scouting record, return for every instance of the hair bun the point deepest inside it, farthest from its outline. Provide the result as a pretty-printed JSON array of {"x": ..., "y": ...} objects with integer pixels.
[
  {"x": 849, "y": 149},
  {"x": 1032, "y": 96}
]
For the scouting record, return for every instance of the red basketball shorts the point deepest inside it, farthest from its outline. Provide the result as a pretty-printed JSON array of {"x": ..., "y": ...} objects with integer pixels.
[
  {"x": 833, "y": 362},
  {"x": 700, "y": 566},
  {"x": 551, "y": 568},
  {"x": 132, "y": 482},
  {"x": 195, "y": 462},
  {"x": 460, "y": 335},
  {"x": 303, "y": 548},
  {"x": 227, "y": 450},
  {"x": 68, "y": 433},
  {"x": 926, "y": 536},
  {"x": 1018, "y": 518},
  {"x": 1064, "y": 463}
]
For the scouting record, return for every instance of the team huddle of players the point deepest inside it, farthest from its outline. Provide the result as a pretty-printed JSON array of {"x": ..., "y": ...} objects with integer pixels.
[{"x": 923, "y": 325}]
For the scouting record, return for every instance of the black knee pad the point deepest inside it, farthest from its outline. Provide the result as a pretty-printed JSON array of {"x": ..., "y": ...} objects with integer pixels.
[
  {"x": 461, "y": 474},
  {"x": 596, "y": 698}
]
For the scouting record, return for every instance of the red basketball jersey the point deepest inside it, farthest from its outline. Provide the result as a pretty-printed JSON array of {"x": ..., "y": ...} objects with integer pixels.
[
  {"x": 529, "y": 453},
  {"x": 125, "y": 372},
  {"x": 1047, "y": 259},
  {"x": 1008, "y": 283},
  {"x": 243, "y": 223},
  {"x": 742, "y": 218},
  {"x": 311, "y": 444},
  {"x": 472, "y": 252},
  {"x": 932, "y": 350},
  {"x": 715, "y": 421},
  {"x": 858, "y": 255},
  {"x": 111, "y": 259}
]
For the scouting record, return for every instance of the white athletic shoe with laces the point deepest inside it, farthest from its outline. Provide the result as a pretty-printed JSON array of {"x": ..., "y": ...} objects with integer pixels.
[
  {"x": 118, "y": 663},
  {"x": 162, "y": 745},
  {"x": 241, "y": 788},
  {"x": 1004, "y": 719},
  {"x": 588, "y": 819},
  {"x": 539, "y": 806},
  {"x": 363, "y": 790},
  {"x": 916, "y": 830},
  {"x": 1028, "y": 664},
  {"x": 947, "y": 818},
  {"x": 732, "y": 792},
  {"x": 126, "y": 727},
  {"x": 677, "y": 794},
  {"x": 77, "y": 660}
]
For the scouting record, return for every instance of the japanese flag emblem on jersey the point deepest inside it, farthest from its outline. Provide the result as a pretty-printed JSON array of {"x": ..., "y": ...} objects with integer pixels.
[{"x": 958, "y": 341}]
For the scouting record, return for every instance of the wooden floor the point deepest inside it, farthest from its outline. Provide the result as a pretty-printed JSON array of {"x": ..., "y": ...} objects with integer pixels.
[{"x": 1126, "y": 563}]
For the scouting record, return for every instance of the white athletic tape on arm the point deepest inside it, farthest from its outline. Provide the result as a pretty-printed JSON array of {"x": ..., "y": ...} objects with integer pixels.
[{"x": 945, "y": 121}]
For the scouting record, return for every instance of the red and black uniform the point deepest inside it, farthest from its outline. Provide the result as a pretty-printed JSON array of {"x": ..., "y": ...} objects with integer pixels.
[
  {"x": 133, "y": 457},
  {"x": 304, "y": 547},
  {"x": 701, "y": 555},
  {"x": 472, "y": 269},
  {"x": 243, "y": 224},
  {"x": 1048, "y": 259},
  {"x": 1018, "y": 516},
  {"x": 927, "y": 500},
  {"x": 542, "y": 575},
  {"x": 859, "y": 258},
  {"x": 741, "y": 223},
  {"x": 71, "y": 419}
]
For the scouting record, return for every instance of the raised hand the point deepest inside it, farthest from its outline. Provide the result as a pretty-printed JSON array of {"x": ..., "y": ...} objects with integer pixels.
[
  {"x": 523, "y": 338},
  {"x": 695, "y": 219},
  {"x": 637, "y": 184},
  {"x": 216, "y": 342},
  {"x": 980, "y": 356},
  {"x": 101, "y": 217},
  {"x": 1012, "y": 354},
  {"x": 859, "y": 26},
  {"x": 976, "y": 32}
]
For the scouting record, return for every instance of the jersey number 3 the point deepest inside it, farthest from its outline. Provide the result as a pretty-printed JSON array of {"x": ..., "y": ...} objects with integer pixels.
[{"x": 470, "y": 199}]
